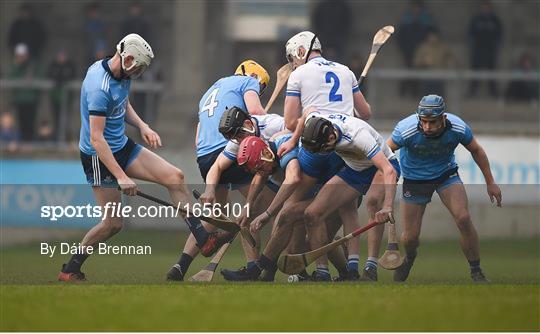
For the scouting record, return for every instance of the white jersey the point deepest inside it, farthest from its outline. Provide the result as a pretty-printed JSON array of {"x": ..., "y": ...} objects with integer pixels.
[
  {"x": 267, "y": 126},
  {"x": 325, "y": 85},
  {"x": 358, "y": 142}
]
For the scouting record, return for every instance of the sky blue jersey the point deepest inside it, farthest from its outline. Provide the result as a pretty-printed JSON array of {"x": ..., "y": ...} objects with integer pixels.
[
  {"x": 103, "y": 95},
  {"x": 424, "y": 158},
  {"x": 225, "y": 93}
]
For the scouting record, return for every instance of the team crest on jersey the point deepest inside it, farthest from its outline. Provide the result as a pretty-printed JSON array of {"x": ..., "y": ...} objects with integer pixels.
[
  {"x": 119, "y": 110},
  {"x": 407, "y": 194}
]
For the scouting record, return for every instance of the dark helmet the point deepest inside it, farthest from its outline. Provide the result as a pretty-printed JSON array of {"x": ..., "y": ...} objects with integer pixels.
[
  {"x": 232, "y": 121},
  {"x": 316, "y": 133},
  {"x": 431, "y": 106}
]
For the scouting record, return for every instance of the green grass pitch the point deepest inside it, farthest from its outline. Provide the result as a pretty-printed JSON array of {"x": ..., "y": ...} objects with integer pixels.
[{"x": 129, "y": 293}]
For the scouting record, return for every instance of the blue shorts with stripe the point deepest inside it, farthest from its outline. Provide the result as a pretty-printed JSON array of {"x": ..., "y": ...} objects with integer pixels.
[
  {"x": 322, "y": 166},
  {"x": 98, "y": 175},
  {"x": 361, "y": 181}
]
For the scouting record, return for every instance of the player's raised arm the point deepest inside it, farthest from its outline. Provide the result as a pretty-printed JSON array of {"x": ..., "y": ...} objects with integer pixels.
[
  {"x": 362, "y": 109},
  {"x": 480, "y": 157}
]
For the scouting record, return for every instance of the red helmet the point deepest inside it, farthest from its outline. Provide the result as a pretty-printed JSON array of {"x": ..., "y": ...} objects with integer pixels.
[{"x": 251, "y": 153}]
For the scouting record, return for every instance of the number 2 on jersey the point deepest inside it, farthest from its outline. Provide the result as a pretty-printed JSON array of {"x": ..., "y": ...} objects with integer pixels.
[
  {"x": 333, "y": 97},
  {"x": 210, "y": 103}
]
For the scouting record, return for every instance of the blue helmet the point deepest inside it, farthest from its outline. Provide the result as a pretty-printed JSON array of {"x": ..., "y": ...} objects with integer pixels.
[{"x": 431, "y": 106}]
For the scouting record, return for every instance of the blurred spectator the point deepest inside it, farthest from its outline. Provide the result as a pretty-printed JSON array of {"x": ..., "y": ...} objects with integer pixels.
[
  {"x": 25, "y": 100},
  {"x": 28, "y": 30},
  {"x": 135, "y": 23},
  {"x": 61, "y": 71},
  {"x": 485, "y": 34},
  {"x": 9, "y": 134},
  {"x": 416, "y": 23},
  {"x": 100, "y": 52},
  {"x": 332, "y": 24},
  {"x": 433, "y": 54},
  {"x": 95, "y": 32},
  {"x": 45, "y": 132},
  {"x": 521, "y": 90}
]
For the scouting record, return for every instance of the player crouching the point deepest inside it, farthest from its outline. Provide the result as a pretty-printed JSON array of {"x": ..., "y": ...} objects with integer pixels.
[{"x": 427, "y": 141}]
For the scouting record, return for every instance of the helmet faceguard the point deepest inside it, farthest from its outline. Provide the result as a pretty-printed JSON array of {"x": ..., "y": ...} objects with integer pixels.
[
  {"x": 253, "y": 153},
  {"x": 431, "y": 109},
  {"x": 253, "y": 69},
  {"x": 231, "y": 124},
  {"x": 316, "y": 133},
  {"x": 135, "y": 46},
  {"x": 306, "y": 40}
]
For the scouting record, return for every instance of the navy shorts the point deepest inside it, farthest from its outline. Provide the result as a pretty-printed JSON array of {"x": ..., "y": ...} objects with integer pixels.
[
  {"x": 421, "y": 191},
  {"x": 234, "y": 177},
  {"x": 361, "y": 181},
  {"x": 98, "y": 175}
]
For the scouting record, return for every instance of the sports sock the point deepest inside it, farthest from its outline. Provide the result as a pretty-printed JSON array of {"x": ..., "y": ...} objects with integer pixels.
[
  {"x": 323, "y": 271},
  {"x": 475, "y": 266},
  {"x": 250, "y": 265},
  {"x": 269, "y": 266},
  {"x": 184, "y": 262},
  {"x": 303, "y": 273},
  {"x": 75, "y": 263},
  {"x": 196, "y": 227},
  {"x": 352, "y": 262},
  {"x": 371, "y": 262},
  {"x": 411, "y": 256}
]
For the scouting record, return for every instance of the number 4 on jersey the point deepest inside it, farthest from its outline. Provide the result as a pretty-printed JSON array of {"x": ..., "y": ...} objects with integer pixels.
[{"x": 210, "y": 103}]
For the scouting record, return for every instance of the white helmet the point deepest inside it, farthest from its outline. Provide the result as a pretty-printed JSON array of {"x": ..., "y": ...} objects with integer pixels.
[
  {"x": 135, "y": 46},
  {"x": 303, "y": 39}
]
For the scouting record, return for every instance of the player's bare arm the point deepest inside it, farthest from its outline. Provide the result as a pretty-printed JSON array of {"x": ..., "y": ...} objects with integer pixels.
[
  {"x": 480, "y": 157},
  {"x": 297, "y": 132},
  {"x": 253, "y": 103},
  {"x": 257, "y": 185},
  {"x": 292, "y": 112},
  {"x": 389, "y": 174},
  {"x": 362, "y": 109},
  {"x": 150, "y": 137},
  {"x": 103, "y": 150},
  {"x": 292, "y": 179},
  {"x": 393, "y": 146},
  {"x": 212, "y": 179}
]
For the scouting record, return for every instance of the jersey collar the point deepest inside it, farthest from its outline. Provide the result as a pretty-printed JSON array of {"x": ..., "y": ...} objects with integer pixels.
[
  {"x": 105, "y": 64},
  {"x": 316, "y": 58}
]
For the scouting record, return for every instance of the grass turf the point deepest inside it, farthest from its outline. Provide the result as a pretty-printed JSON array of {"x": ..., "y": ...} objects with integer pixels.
[{"x": 129, "y": 293}]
